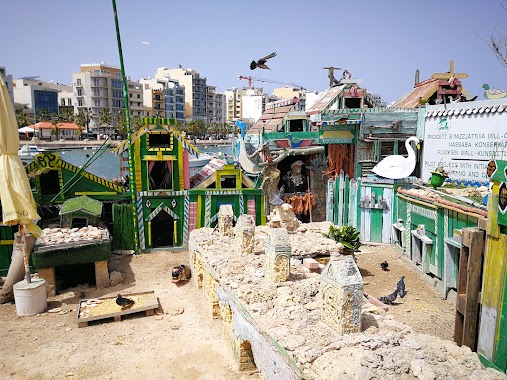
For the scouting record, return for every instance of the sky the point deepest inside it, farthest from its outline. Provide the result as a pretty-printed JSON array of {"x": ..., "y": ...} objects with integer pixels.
[{"x": 381, "y": 42}]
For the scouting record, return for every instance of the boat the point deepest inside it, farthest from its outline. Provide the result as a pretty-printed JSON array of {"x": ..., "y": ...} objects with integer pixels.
[
  {"x": 29, "y": 151},
  {"x": 196, "y": 164}
]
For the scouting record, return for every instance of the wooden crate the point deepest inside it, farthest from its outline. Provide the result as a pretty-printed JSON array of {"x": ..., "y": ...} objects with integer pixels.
[{"x": 107, "y": 308}]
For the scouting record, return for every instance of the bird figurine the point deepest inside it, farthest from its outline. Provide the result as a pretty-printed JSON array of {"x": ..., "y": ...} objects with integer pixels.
[
  {"x": 493, "y": 93},
  {"x": 181, "y": 273},
  {"x": 124, "y": 302},
  {"x": 400, "y": 286},
  {"x": 261, "y": 63},
  {"x": 384, "y": 266},
  {"x": 397, "y": 166}
]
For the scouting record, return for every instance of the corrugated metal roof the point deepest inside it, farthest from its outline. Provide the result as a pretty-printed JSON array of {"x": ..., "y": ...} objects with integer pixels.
[
  {"x": 271, "y": 118},
  {"x": 467, "y": 110},
  {"x": 422, "y": 90},
  {"x": 325, "y": 99}
]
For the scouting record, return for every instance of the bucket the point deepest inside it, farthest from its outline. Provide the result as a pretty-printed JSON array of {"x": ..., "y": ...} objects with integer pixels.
[{"x": 30, "y": 298}]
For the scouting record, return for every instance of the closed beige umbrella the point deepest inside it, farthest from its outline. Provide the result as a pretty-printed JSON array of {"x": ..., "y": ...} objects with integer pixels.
[{"x": 18, "y": 205}]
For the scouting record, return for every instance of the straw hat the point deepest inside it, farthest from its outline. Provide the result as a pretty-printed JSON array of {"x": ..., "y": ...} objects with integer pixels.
[{"x": 296, "y": 163}]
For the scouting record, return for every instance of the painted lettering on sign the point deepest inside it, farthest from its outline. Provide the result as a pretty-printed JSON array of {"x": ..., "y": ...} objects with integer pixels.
[{"x": 463, "y": 145}]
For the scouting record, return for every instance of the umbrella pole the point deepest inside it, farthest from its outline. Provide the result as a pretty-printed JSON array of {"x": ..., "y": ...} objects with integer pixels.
[{"x": 28, "y": 276}]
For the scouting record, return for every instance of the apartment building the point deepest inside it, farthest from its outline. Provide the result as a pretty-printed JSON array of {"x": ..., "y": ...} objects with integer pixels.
[
  {"x": 8, "y": 82},
  {"x": 195, "y": 90},
  {"x": 38, "y": 95},
  {"x": 215, "y": 106},
  {"x": 98, "y": 86},
  {"x": 136, "y": 98},
  {"x": 246, "y": 103},
  {"x": 164, "y": 97}
]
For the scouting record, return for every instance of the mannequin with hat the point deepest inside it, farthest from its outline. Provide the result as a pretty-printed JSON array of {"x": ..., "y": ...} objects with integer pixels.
[{"x": 294, "y": 181}]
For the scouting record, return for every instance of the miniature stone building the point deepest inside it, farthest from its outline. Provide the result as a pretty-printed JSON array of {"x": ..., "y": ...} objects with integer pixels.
[
  {"x": 278, "y": 250},
  {"x": 342, "y": 294},
  {"x": 244, "y": 233},
  {"x": 80, "y": 212},
  {"x": 225, "y": 221},
  {"x": 287, "y": 217}
]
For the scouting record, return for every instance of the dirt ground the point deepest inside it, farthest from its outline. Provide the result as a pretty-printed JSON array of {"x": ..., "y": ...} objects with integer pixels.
[
  {"x": 423, "y": 308},
  {"x": 182, "y": 341}
]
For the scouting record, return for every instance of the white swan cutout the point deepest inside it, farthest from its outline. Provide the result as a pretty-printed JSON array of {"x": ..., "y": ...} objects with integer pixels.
[{"x": 397, "y": 167}]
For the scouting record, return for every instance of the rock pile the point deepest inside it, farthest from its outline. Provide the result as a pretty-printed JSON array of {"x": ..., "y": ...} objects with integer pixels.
[
  {"x": 290, "y": 312},
  {"x": 53, "y": 236}
]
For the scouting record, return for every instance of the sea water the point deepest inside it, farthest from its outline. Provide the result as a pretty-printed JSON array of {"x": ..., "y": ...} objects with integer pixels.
[{"x": 105, "y": 164}]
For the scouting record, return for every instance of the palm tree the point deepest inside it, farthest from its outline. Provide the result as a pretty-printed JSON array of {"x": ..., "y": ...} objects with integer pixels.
[
  {"x": 55, "y": 128},
  {"x": 136, "y": 123},
  {"x": 43, "y": 115},
  {"x": 83, "y": 119},
  {"x": 67, "y": 115},
  {"x": 21, "y": 118}
]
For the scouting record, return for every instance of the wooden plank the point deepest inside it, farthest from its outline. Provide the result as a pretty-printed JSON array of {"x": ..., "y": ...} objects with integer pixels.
[
  {"x": 341, "y": 195},
  {"x": 346, "y": 198},
  {"x": 387, "y": 216},
  {"x": 353, "y": 190},
  {"x": 367, "y": 217},
  {"x": 501, "y": 335},
  {"x": 151, "y": 304},
  {"x": 473, "y": 286},
  {"x": 376, "y": 225}
]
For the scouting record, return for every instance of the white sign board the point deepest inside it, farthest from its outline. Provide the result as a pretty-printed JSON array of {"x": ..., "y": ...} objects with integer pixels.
[{"x": 463, "y": 144}]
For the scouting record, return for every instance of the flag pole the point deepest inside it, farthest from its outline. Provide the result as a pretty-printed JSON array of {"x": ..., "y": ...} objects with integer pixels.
[{"x": 132, "y": 179}]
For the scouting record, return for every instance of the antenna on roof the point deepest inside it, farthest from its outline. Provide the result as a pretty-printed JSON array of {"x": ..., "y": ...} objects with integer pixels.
[{"x": 416, "y": 77}]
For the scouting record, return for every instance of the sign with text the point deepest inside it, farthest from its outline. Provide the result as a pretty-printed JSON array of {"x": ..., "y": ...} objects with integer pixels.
[{"x": 463, "y": 144}]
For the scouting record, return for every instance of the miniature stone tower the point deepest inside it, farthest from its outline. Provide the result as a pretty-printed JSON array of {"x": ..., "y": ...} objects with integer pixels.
[
  {"x": 244, "y": 233},
  {"x": 342, "y": 294},
  {"x": 225, "y": 221},
  {"x": 278, "y": 250}
]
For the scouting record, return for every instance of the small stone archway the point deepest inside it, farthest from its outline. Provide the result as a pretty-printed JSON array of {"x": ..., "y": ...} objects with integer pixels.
[{"x": 245, "y": 357}]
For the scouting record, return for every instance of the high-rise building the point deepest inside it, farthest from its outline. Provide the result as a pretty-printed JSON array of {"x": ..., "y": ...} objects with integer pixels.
[
  {"x": 215, "y": 106},
  {"x": 8, "y": 81},
  {"x": 135, "y": 91},
  {"x": 195, "y": 90},
  {"x": 164, "y": 98},
  {"x": 99, "y": 86}
]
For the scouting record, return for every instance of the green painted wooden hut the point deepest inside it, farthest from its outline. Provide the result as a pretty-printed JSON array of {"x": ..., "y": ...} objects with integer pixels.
[{"x": 80, "y": 212}]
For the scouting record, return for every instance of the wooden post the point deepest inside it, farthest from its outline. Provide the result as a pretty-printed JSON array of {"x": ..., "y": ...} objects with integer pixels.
[{"x": 469, "y": 286}]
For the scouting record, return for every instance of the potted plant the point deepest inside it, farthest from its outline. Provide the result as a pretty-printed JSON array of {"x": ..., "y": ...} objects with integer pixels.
[
  {"x": 347, "y": 235},
  {"x": 438, "y": 177}
]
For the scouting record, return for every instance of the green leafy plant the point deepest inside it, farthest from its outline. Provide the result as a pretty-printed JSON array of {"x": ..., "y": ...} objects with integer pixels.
[{"x": 347, "y": 235}]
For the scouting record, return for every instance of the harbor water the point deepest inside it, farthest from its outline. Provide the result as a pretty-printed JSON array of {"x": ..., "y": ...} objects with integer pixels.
[{"x": 105, "y": 164}]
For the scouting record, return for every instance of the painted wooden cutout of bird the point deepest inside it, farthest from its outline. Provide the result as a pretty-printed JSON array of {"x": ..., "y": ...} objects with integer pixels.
[
  {"x": 397, "y": 166},
  {"x": 261, "y": 63},
  {"x": 384, "y": 266},
  {"x": 493, "y": 93},
  {"x": 125, "y": 303}
]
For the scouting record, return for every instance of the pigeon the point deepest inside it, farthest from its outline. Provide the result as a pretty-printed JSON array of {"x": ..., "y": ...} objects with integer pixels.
[
  {"x": 261, "y": 63},
  {"x": 384, "y": 265},
  {"x": 125, "y": 303},
  {"x": 400, "y": 286},
  {"x": 390, "y": 298}
]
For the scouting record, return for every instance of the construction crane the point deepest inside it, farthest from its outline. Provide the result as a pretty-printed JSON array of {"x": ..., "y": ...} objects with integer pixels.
[{"x": 252, "y": 79}]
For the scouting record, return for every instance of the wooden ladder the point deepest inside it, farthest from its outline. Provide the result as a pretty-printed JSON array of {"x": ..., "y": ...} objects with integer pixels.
[{"x": 469, "y": 287}]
